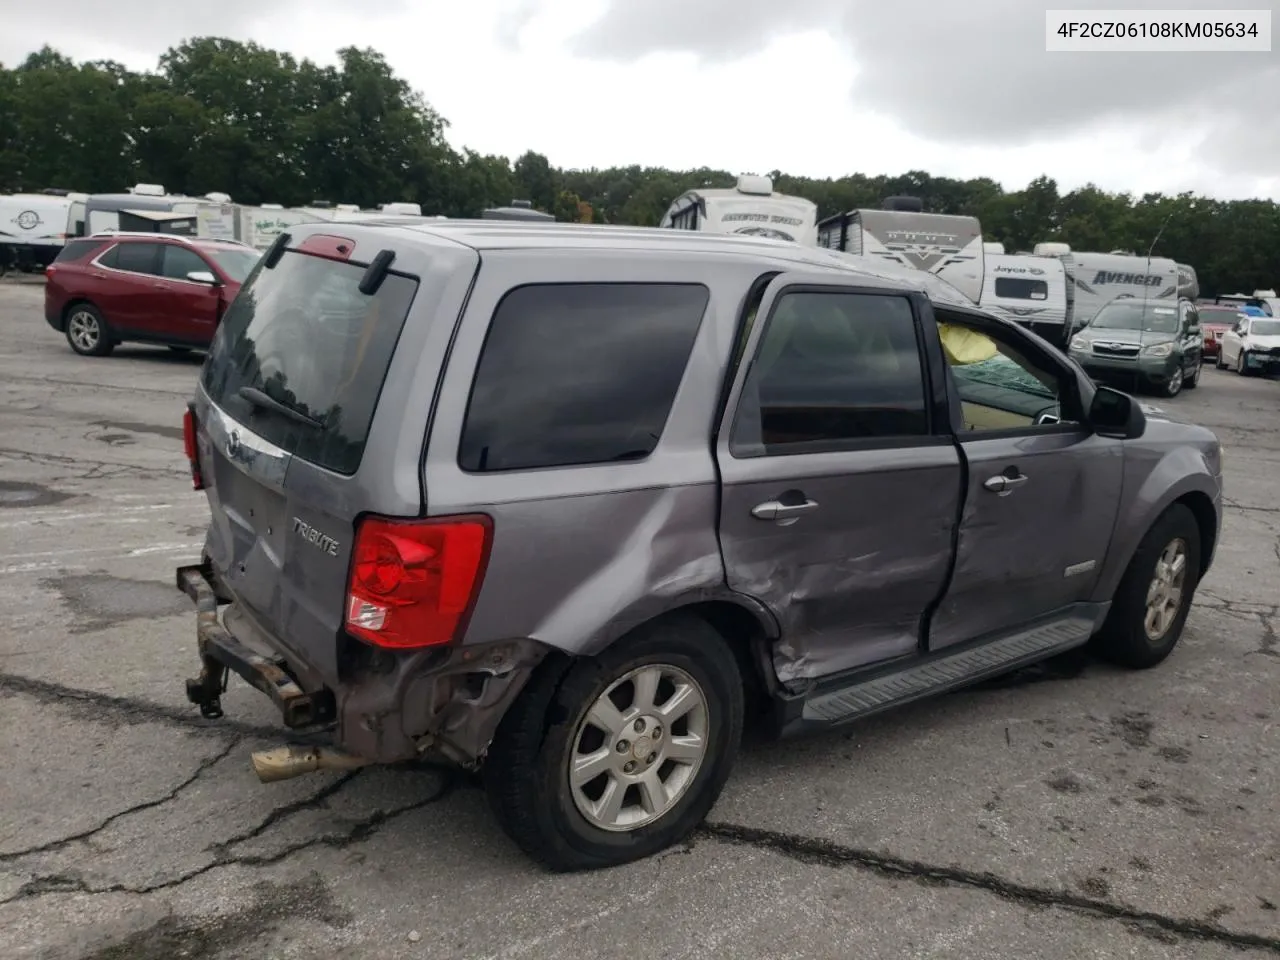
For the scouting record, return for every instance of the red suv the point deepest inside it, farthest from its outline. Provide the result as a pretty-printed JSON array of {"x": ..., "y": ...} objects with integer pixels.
[{"x": 152, "y": 288}]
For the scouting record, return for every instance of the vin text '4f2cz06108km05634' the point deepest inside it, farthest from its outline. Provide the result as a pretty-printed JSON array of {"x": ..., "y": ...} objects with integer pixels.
[{"x": 569, "y": 505}]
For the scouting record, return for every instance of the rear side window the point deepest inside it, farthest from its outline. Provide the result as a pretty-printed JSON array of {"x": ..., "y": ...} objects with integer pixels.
[
  {"x": 304, "y": 334},
  {"x": 1021, "y": 288},
  {"x": 137, "y": 258},
  {"x": 833, "y": 371},
  {"x": 77, "y": 250},
  {"x": 576, "y": 374}
]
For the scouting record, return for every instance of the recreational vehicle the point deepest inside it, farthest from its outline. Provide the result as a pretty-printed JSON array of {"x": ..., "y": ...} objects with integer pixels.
[
  {"x": 518, "y": 210},
  {"x": 1095, "y": 279},
  {"x": 136, "y": 209},
  {"x": 750, "y": 207},
  {"x": 948, "y": 246},
  {"x": 1029, "y": 290},
  {"x": 259, "y": 226},
  {"x": 34, "y": 227}
]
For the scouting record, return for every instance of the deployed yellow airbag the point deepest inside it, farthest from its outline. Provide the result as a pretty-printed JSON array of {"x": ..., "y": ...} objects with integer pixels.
[{"x": 962, "y": 345}]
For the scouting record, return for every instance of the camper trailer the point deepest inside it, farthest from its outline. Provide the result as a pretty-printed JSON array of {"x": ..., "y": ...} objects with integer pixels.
[
  {"x": 259, "y": 226},
  {"x": 1029, "y": 290},
  {"x": 137, "y": 209},
  {"x": 35, "y": 226},
  {"x": 1095, "y": 279},
  {"x": 751, "y": 207},
  {"x": 949, "y": 246}
]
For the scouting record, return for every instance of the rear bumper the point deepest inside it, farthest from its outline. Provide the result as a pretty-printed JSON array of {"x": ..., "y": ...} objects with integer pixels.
[
  {"x": 221, "y": 653},
  {"x": 440, "y": 702}
]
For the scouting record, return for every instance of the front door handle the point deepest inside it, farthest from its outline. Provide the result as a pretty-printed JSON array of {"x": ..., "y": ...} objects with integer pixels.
[
  {"x": 782, "y": 512},
  {"x": 1002, "y": 484}
]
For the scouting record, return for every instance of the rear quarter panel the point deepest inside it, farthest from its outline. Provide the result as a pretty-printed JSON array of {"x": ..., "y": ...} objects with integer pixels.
[{"x": 582, "y": 554}]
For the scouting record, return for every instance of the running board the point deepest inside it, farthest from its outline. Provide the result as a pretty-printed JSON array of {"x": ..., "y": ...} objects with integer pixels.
[{"x": 948, "y": 671}]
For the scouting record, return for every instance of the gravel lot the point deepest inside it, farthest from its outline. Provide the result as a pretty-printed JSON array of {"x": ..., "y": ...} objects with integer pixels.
[{"x": 1071, "y": 811}]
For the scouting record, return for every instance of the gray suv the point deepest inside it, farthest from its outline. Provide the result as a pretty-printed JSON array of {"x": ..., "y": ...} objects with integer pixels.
[{"x": 571, "y": 505}]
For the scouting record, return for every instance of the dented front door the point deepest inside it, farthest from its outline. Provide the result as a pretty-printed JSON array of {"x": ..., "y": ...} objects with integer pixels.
[{"x": 838, "y": 502}]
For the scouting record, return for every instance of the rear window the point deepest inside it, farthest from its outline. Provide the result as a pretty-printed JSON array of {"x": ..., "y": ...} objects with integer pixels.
[
  {"x": 304, "y": 334},
  {"x": 1020, "y": 288},
  {"x": 77, "y": 250},
  {"x": 576, "y": 374}
]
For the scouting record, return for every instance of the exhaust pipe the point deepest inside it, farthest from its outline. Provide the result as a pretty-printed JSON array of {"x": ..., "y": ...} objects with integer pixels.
[{"x": 285, "y": 763}]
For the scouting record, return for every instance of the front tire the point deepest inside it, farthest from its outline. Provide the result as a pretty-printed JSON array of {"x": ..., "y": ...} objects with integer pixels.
[
  {"x": 1242, "y": 363},
  {"x": 1194, "y": 380},
  {"x": 87, "y": 332},
  {"x": 1151, "y": 604},
  {"x": 621, "y": 755},
  {"x": 1173, "y": 386}
]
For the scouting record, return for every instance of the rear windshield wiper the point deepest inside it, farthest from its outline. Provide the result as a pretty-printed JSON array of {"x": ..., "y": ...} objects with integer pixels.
[{"x": 267, "y": 402}]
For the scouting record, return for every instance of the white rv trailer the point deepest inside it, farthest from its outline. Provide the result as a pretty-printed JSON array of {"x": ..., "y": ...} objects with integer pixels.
[
  {"x": 35, "y": 226},
  {"x": 259, "y": 226},
  {"x": 750, "y": 207},
  {"x": 214, "y": 216},
  {"x": 949, "y": 246},
  {"x": 1029, "y": 290},
  {"x": 1095, "y": 279}
]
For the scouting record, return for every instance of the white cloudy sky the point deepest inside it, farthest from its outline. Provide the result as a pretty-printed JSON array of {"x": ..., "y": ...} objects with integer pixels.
[{"x": 812, "y": 87}]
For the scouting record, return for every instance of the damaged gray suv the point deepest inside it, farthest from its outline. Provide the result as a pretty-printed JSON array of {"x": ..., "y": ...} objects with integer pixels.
[{"x": 571, "y": 505}]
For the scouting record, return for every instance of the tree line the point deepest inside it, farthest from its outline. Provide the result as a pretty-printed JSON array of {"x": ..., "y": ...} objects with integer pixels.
[{"x": 263, "y": 126}]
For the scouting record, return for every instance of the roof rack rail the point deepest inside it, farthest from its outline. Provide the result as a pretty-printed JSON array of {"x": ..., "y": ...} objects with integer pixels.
[{"x": 185, "y": 238}]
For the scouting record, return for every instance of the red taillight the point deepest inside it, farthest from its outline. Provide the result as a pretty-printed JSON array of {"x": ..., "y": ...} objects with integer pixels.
[
  {"x": 189, "y": 443},
  {"x": 413, "y": 581}
]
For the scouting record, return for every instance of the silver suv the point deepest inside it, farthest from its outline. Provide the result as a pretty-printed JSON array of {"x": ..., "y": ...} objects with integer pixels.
[{"x": 570, "y": 505}]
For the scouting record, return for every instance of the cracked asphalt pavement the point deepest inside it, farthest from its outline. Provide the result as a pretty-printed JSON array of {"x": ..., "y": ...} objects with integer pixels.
[{"x": 1070, "y": 810}]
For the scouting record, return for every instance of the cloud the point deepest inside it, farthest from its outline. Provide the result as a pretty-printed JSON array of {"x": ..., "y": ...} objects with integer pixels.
[
  {"x": 137, "y": 31},
  {"x": 972, "y": 73}
]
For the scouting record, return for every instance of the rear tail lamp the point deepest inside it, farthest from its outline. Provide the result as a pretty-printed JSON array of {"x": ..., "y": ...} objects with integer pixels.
[
  {"x": 192, "y": 450},
  {"x": 413, "y": 582}
]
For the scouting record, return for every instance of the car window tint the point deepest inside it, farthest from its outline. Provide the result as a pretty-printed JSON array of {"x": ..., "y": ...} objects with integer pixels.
[
  {"x": 832, "y": 368},
  {"x": 579, "y": 374},
  {"x": 179, "y": 261},
  {"x": 1003, "y": 384},
  {"x": 136, "y": 257}
]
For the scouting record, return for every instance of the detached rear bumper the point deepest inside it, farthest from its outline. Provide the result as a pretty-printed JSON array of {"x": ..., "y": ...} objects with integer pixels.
[
  {"x": 441, "y": 701},
  {"x": 221, "y": 653}
]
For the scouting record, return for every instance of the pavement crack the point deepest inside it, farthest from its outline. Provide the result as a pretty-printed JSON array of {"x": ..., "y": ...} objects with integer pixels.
[
  {"x": 812, "y": 850},
  {"x": 203, "y": 768},
  {"x": 358, "y": 832},
  {"x": 105, "y": 707}
]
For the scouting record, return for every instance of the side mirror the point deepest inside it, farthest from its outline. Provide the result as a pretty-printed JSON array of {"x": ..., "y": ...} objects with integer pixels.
[
  {"x": 203, "y": 276},
  {"x": 1116, "y": 415}
]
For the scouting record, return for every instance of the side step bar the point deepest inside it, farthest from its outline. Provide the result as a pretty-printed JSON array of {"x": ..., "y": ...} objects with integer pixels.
[{"x": 876, "y": 690}]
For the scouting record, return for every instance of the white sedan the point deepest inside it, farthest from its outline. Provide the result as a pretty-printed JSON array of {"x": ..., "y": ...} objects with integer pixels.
[{"x": 1251, "y": 346}]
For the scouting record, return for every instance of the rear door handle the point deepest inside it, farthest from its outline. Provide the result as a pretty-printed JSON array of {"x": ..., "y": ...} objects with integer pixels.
[
  {"x": 1002, "y": 484},
  {"x": 775, "y": 510}
]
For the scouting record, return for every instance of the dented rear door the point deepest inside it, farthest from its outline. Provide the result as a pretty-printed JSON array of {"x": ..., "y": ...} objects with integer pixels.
[{"x": 839, "y": 500}]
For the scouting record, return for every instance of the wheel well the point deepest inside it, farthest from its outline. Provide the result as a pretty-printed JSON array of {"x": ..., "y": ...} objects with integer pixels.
[
  {"x": 71, "y": 305},
  {"x": 746, "y": 637},
  {"x": 1201, "y": 508}
]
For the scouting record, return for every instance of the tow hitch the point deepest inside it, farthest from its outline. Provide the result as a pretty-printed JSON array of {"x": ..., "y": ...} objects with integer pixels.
[{"x": 220, "y": 653}]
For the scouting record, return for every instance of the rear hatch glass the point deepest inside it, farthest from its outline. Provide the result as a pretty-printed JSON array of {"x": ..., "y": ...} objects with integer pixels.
[{"x": 304, "y": 335}]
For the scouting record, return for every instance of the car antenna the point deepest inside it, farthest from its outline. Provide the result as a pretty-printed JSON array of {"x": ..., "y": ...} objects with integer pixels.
[{"x": 1151, "y": 250}]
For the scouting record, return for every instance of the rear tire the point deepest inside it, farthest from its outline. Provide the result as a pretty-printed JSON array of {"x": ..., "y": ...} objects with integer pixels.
[
  {"x": 1150, "y": 606},
  {"x": 87, "y": 332},
  {"x": 560, "y": 720}
]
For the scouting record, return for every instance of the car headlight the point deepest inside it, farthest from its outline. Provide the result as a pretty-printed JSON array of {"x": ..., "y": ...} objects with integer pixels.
[
  {"x": 1158, "y": 350},
  {"x": 1079, "y": 343}
]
